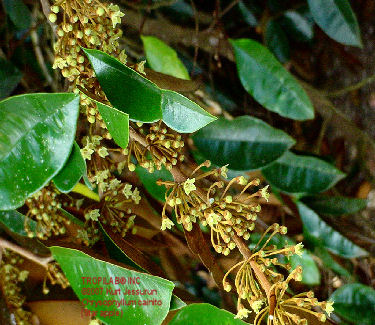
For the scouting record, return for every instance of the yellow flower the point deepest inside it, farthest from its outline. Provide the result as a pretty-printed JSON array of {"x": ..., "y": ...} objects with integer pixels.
[
  {"x": 127, "y": 190},
  {"x": 329, "y": 308},
  {"x": 264, "y": 193},
  {"x": 93, "y": 215},
  {"x": 115, "y": 15},
  {"x": 242, "y": 313},
  {"x": 103, "y": 152},
  {"x": 298, "y": 249},
  {"x": 135, "y": 196},
  {"x": 166, "y": 223},
  {"x": 189, "y": 186},
  {"x": 224, "y": 171},
  {"x": 257, "y": 305}
]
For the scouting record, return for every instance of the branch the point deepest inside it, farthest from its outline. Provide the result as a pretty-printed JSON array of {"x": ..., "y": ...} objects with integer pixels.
[{"x": 43, "y": 261}]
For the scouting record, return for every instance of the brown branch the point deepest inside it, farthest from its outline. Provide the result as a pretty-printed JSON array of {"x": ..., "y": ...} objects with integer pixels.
[{"x": 43, "y": 261}]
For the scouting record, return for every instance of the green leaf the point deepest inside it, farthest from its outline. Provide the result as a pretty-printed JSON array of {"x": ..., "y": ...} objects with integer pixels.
[
  {"x": 247, "y": 13},
  {"x": 204, "y": 314},
  {"x": 326, "y": 235},
  {"x": 163, "y": 58},
  {"x": 301, "y": 174},
  {"x": 277, "y": 41},
  {"x": 18, "y": 13},
  {"x": 334, "y": 205},
  {"x": 298, "y": 25},
  {"x": 176, "y": 303},
  {"x": 244, "y": 143},
  {"x": 35, "y": 142},
  {"x": 149, "y": 181},
  {"x": 337, "y": 20},
  {"x": 10, "y": 76},
  {"x": 72, "y": 171},
  {"x": 310, "y": 271},
  {"x": 76, "y": 265},
  {"x": 117, "y": 124},
  {"x": 355, "y": 302},
  {"x": 269, "y": 82},
  {"x": 183, "y": 115},
  {"x": 125, "y": 88},
  {"x": 15, "y": 222},
  {"x": 72, "y": 218}
]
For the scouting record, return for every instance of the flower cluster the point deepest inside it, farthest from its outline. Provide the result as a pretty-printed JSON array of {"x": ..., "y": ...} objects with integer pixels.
[
  {"x": 226, "y": 215},
  {"x": 116, "y": 207},
  {"x": 44, "y": 209},
  {"x": 262, "y": 267},
  {"x": 55, "y": 276},
  {"x": 10, "y": 278}
]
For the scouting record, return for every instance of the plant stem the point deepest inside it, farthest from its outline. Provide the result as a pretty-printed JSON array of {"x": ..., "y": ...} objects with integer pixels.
[
  {"x": 350, "y": 88},
  {"x": 43, "y": 261}
]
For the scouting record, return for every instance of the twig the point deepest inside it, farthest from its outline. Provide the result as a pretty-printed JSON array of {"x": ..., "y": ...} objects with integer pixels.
[
  {"x": 43, "y": 261},
  {"x": 350, "y": 88},
  {"x": 39, "y": 56}
]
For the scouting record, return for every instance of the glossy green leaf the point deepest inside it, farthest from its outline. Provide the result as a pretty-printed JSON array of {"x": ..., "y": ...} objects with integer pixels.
[
  {"x": 204, "y": 314},
  {"x": 310, "y": 271},
  {"x": 301, "y": 174},
  {"x": 15, "y": 222},
  {"x": 327, "y": 236},
  {"x": 183, "y": 115},
  {"x": 269, "y": 82},
  {"x": 355, "y": 302},
  {"x": 72, "y": 171},
  {"x": 10, "y": 76},
  {"x": 277, "y": 41},
  {"x": 176, "y": 303},
  {"x": 163, "y": 58},
  {"x": 19, "y": 13},
  {"x": 337, "y": 19},
  {"x": 149, "y": 181},
  {"x": 76, "y": 265},
  {"x": 72, "y": 218},
  {"x": 117, "y": 124},
  {"x": 35, "y": 142},
  {"x": 244, "y": 143},
  {"x": 298, "y": 25},
  {"x": 334, "y": 205},
  {"x": 126, "y": 89}
]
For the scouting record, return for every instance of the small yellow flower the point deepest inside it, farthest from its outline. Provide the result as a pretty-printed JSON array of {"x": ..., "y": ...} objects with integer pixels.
[
  {"x": 114, "y": 184},
  {"x": 103, "y": 152},
  {"x": 166, "y": 223},
  {"x": 86, "y": 153},
  {"x": 264, "y": 193},
  {"x": 257, "y": 305},
  {"x": 135, "y": 196},
  {"x": 329, "y": 308},
  {"x": 127, "y": 190},
  {"x": 298, "y": 249},
  {"x": 115, "y": 15},
  {"x": 189, "y": 186},
  {"x": 93, "y": 215},
  {"x": 242, "y": 313},
  {"x": 224, "y": 171}
]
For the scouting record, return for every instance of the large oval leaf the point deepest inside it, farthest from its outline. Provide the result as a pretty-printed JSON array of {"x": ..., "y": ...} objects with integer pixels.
[
  {"x": 15, "y": 222},
  {"x": 163, "y": 58},
  {"x": 76, "y": 265},
  {"x": 117, "y": 124},
  {"x": 301, "y": 174},
  {"x": 183, "y": 115},
  {"x": 337, "y": 19},
  {"x": 36, "y": 136},
  {"x": 72, "y": 171},
  {"x": 204, "y": 314},
  {"x": 326, "y": 235},
  {"x": 244, "y": 143},
  {"x": 355, "y": 302},
  {"x": 268, "y": 81},
  {"x": 335, "y": 205},
  {"x": 125, "y": 88}
]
